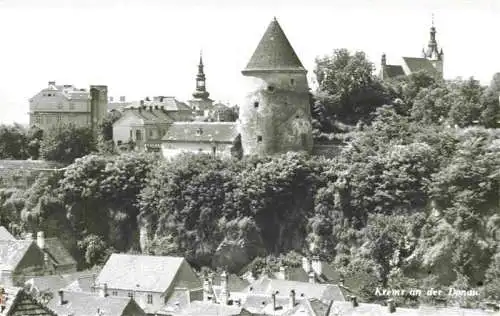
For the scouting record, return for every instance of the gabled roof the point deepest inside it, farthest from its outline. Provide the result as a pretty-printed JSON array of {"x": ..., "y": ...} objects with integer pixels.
[
  {"x": 415, "y": 64},
  {"x": 87, "y": 304},
  {"x": 58, "y": 252},
  {"x": 197, "y": 132},
  {"x": 53, "y": 283},
  {"x": 12, "y": 252},
  {"x": 324, "y": 292},
  {"x": 274, "y": 53},
  {"x": 19, "y": 303},
  {"x": 207, "y": 309},
  {"x": 392, "y": 71},
  {"x": 82, "y": 284},
  {"x": 5, "y": 234},
  {"x": 138, "y": 272}
]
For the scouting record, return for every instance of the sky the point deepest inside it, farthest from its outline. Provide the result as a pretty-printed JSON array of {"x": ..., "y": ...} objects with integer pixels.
[{"x": 142, "y": 48}]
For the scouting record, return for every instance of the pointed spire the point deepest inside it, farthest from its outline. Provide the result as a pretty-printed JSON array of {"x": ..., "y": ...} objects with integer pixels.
[
  {"x": 201, "y": 91},
  {"x": 384, "y": 60},
  {"x": 432, "y": 20},
  {"x": 201, "y": 57},
  {"x": 274, "y": 53}
]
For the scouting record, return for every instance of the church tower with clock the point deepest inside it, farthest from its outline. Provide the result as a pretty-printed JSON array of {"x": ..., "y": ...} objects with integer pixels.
[{"x": 201, "y": 102}]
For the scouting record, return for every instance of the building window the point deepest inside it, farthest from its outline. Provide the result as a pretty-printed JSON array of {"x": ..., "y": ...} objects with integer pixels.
[
  {"x": 256, "y": 104},
  {"x": 38, "y": 119},
  {"x": 131, "y": 134},
  {"x": 214, "y": 150},
  {"x": 150, "y": 133},
  {"x": 59, "y": 117},
  {"x": 119, "y": 142},
  {"x": 270, "y": 88},
  {"x": 292, "y": 82},
  {"x": 259, "y": 138},
  {"x": 165, "y": 300},
  {"x": 150, "y": 298},
  {"x": 114, "y": 293},
  {"x": 138, "y": 135},
  {"x": 130, "y": 294},
  {"x": 199, "y": 131}
]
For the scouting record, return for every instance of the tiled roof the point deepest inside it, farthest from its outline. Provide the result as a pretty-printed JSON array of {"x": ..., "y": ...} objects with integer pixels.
[
  {"x": 392, "y": 71},
  {"x": 274, "y": 52},
  {"x": 81, "y": 284},
  {"x": 312, "y": 307},
  {"x": 347, "y": 309},
  {"x": 53, "y": 283},
  {"x": 202, "y": 132},
  {"x": 12, "y": 252},
  {"x": 169, "y": 104},
  {"x": 58, "y": 252},
  {"x": 147, "y": 273},
  {"x": 87, "y": 304},
  {"x": 19, "y": 303},
  {"x": 209, "y": 309},
  {"x": 148, "y": 115},
  {"x": 5, "y": 234},
  {"x": 324, "y": 292},
  {"x": 415, "y": 64},
  {"x": 234, "y": 283}
]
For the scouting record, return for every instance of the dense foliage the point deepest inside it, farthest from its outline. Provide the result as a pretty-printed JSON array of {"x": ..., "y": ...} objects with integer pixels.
[{"x": 411, "y": 201}]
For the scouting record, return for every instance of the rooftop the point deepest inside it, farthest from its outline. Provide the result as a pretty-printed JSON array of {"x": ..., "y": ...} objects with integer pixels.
[
  {"x": 138, "y": 272},
  {"x": 274, "y": 53},
  {"x": 224, "y": 132},
  {"x": 12, "y": 252}
]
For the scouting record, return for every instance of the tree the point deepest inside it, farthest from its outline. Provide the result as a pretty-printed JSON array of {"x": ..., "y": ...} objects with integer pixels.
[
  {"x": 65, "y": 143},
  {"x": 13, "y": 142},
  {"x": 34, "y": 138},
  {"x": 347, "y": 86}
]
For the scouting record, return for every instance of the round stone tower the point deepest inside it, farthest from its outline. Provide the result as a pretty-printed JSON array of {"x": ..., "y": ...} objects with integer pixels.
[{"x": 275, "y": 117}]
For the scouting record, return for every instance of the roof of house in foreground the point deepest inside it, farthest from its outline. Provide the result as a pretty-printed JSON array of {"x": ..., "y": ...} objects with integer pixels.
[
  {"x": 20, "y": 303},
  {"x": 138, "y": 272}
]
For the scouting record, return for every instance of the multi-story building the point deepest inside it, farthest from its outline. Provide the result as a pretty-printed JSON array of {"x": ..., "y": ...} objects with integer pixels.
[{"x": 62, "y": 104}]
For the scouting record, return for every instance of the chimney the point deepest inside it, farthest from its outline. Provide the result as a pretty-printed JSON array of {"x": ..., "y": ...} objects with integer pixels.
[
  {"x": 282, "y": 273},
  {"x": 274, "y": 301},
  {"x": 317, "y": 265},
  {"x": 312, "y": 277},
  {"x": 40, "y": 240},
  {"x": 354, "y": 301},
  {"x": 224, "y": 293},
  {"x": 103, "y": 291},
  {"x": 391, "y": 305},
  {"x": 383, "y": 60},
  {"x": 206, "y": 290},
  {"x": 341, "y": 282},
  {"x": 292, "y": 299},
  {"x": 61, "y": 297},
  {"x": 306, "y": 264},
  {"x": 28, "y": 236}
]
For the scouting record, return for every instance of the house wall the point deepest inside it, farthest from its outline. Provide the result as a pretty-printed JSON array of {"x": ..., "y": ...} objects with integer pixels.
[
  {"x": 49, "y": 107},
  {"x": 281, "y": 121},
  {"x": 141, "y": 298},
  {"x": 125, "y": 129},
  {"x": 172, "y": 149}
]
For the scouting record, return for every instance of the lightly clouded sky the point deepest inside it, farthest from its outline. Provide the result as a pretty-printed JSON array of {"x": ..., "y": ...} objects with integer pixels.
[{"x": 145, "y": 48}]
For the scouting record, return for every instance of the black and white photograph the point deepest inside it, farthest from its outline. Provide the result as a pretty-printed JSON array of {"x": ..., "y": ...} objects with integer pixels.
[{"x": 249, "y": 158}]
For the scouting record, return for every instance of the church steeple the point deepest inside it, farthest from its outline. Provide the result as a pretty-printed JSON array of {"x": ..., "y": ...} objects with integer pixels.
[
  {"x": 432, "y": 51},
  {"x": 201, "y": 91}
]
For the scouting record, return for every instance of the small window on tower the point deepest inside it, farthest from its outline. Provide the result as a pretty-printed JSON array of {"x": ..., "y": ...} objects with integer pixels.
[
  {"x": 259, "y": 138},
  {"x": 256, "y": 104},
  {"x": 292, "y": 82},
  {"x": 270, "y": 88}
]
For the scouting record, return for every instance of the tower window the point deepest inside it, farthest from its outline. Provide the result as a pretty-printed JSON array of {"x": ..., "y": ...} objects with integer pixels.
[
  {"x": 292, "y": 82},
  {"x": 270, "y": 88},
  {"x": 150, "y": 298},
  {"x": 259, "y": 138},
  {"x": 256, "y": 104}
]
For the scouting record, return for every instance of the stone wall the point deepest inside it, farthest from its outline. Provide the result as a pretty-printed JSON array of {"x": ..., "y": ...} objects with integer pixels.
[{"x": 275, "y": 117}]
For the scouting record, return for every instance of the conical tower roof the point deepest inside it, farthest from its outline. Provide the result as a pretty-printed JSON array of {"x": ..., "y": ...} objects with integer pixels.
[{"x": 274, "y": 53}]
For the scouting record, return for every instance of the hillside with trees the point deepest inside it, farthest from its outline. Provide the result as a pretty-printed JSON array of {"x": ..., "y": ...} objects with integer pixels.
[{"x": 411, "y": 201}]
